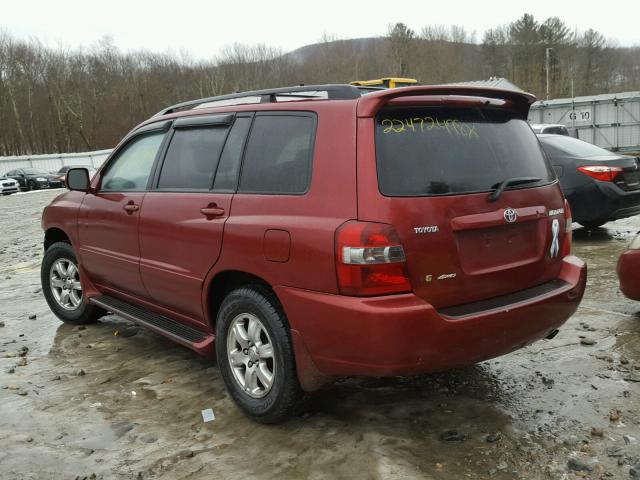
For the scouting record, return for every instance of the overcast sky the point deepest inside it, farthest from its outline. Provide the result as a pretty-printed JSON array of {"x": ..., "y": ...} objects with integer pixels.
[{"x": 202, "y": 28}]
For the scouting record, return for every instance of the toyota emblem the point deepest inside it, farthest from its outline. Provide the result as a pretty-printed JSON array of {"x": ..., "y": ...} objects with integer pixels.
[{"x": 510, "y": 215}]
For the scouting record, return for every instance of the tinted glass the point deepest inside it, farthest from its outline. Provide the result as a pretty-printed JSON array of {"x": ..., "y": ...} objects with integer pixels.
[
  {"x": 574, "y": 147},
  {"x": 443, "y": 150},
  {"x": 229, "y": 166},
  {"x": 278, "y": 156},
  {"x": 131, "y": 169},
  {"x": 192, "y": 158}
]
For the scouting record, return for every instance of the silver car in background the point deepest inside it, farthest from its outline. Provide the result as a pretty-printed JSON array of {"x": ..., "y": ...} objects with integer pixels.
[{"x": 8, "y": 186}]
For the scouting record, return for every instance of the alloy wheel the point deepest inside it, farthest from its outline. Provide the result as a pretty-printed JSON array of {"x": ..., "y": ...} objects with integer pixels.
[
  {"x": 251, "y": 355},
  {"x": 64, "y": 280}
]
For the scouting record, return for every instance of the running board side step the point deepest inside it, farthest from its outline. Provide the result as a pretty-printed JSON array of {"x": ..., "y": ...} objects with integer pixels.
[{"x": 198, "y": 340}]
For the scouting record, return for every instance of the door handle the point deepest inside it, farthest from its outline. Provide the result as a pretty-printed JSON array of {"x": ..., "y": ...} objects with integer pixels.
[
  {"x": 131, "y": 207},
  {"x": 212, "y": 210}
]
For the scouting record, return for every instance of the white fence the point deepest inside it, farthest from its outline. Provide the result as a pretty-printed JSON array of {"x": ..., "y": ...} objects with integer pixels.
[
  {"x": 53, "y": 162},
  {"x": 611, "y": 121}
]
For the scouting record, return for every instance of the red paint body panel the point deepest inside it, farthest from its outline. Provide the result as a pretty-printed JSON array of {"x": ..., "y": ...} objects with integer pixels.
[
  {"x": 310, "y": 219},
  {"x": 488, "y": 256},
  {"x": 403, "y": 334},
  {"x": 108, "y": 244},
  {"x": 179, "y": 245},
  {"x": 276, "y": 245},
  {"x": 629, "y": 274}
]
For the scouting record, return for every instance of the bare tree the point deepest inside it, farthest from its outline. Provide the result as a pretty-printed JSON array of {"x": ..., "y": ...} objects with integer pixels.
[
  {"x": 401, "y": 44},
  {"x": 61, "y": 99}
]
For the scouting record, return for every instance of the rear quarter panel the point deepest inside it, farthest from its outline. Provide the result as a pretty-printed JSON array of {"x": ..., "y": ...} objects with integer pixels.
[{"x": 310, "y": 219}]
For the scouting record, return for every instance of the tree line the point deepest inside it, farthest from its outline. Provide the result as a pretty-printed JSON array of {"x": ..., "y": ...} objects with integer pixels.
[{"x": 66, "y": 100}]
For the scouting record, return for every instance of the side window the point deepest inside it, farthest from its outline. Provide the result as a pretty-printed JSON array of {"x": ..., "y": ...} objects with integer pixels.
[
  {"x": 278, "y": 156},
  {"x": 192, "y": 158},
  {"x": 229, "y": 166},
  {"x": 131, "y": 168}
]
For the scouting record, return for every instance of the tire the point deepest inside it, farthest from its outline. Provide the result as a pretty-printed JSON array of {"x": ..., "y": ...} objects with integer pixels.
[
  {"x": 592, "y": 225},
  {"x": 31, "y": 186},
  {"x": 79, "y": 314},
  {"x": 283, "y": 397}
]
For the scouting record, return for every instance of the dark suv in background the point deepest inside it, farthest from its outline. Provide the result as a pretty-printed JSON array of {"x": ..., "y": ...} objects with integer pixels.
[{"x": 317, "y": 232}]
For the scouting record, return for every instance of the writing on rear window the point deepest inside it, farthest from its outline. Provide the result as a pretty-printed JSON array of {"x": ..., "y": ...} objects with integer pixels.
[
  {"x": 445, "y": 150},
  {"x": 451, "y": 126}
]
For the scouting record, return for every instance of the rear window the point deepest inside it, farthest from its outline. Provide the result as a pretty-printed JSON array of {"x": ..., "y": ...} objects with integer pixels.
[{"x": 454, "y": 150}]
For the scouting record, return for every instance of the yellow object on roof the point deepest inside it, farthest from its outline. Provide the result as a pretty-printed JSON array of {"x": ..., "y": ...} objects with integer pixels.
[{"x": 388, "y": 82}]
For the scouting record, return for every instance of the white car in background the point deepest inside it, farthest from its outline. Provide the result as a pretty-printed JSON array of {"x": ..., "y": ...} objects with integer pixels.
[{"x": 8, "y": 186}]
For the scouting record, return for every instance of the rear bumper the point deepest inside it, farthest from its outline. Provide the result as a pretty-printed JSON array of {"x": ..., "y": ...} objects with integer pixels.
[
  {"x": 403, "y": 334},
  {"x": 603, "y": 201},
  {"x": 629, "y": 274}
]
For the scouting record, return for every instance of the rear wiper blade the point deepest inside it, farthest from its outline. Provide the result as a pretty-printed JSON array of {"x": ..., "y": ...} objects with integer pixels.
[{"x": 500, "y": 187}]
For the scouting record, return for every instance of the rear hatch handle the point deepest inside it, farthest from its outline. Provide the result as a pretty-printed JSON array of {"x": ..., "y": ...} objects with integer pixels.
[{"x": 501, "y": 186}]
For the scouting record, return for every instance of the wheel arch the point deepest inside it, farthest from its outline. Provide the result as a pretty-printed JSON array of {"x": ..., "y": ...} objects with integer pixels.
[
  {"x": 223, "y": 283},
  {"x": 53, "y": 235}
]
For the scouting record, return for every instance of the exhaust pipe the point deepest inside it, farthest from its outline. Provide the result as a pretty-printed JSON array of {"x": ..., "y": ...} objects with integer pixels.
[{"x": 552, "y": 334}]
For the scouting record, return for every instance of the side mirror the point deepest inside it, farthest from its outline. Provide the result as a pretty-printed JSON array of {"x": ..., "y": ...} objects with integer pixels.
[{"x": 78, "y": 179}]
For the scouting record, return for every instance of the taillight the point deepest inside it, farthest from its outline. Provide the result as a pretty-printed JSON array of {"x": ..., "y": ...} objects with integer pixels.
[
  {"x": 370, "y": 259},
  {"x": 568, "y": 231},
  {"x": 605, "y": 174}
]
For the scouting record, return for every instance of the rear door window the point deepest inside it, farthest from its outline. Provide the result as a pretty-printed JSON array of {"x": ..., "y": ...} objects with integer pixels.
[
  {"x": 192, "y": 158},
  {"x": 454, "y": 150},
  {"x": 279, "y": 154},
  {"x": 229, "y": 165}
]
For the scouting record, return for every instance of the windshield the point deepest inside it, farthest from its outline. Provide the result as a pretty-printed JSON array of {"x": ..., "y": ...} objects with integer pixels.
[
  {"x": 453, "y": 150},
  {"x": 574, "y": 147},
  {"x": 34, "y": 171}
]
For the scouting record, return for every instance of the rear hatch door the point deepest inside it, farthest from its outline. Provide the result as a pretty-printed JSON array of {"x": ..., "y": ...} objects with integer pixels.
[{"x": 436, "y": 163}]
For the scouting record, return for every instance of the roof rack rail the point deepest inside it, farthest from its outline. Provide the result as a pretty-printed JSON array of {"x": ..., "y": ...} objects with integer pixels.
[{"x": 334, "y": 92}]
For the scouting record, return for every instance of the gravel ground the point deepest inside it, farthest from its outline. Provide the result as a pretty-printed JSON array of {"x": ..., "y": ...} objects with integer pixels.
[{"x": 116, "y": 401}]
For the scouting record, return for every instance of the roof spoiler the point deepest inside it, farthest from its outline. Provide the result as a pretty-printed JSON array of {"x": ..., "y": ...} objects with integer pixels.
[{"x": 369, "y": 105}]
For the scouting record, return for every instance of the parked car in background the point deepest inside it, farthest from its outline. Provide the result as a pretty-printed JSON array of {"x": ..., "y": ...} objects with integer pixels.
[
  {"x": 8, "y": 185},
  {"x": 34, "y": 178},
  {"x": 552, "y": 128},
  {"x": 61, "y": 174},
  {"x": 629, "y": 270},
  {"x": 342, "y": 254},
  {"x": 600, "y": 185},
  {"x": 388, "y": 82}
]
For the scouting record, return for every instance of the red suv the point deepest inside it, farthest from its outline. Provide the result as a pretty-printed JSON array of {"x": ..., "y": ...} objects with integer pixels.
[{"x": 322, "y": 231}]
